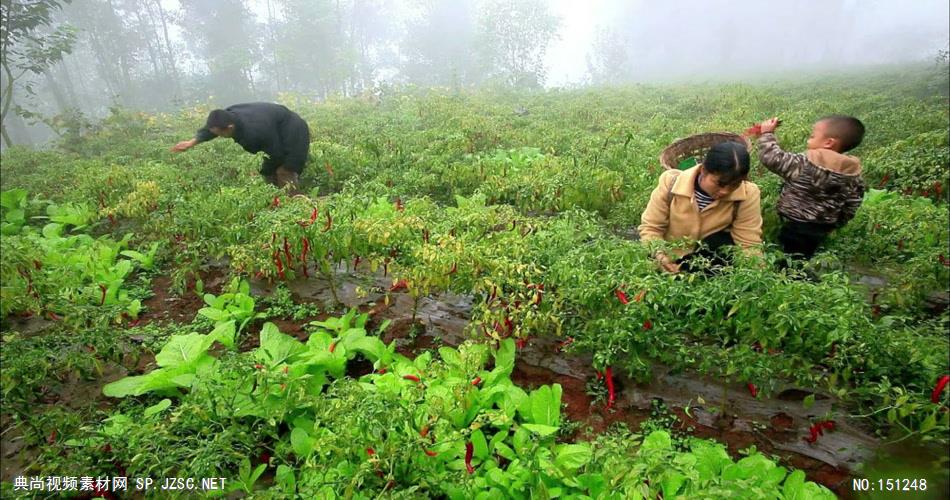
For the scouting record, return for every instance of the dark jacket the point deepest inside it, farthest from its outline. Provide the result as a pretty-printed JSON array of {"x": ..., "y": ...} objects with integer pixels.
[
  {"x": 821, "y": 186},
  {"x": 271, "y": 128}
]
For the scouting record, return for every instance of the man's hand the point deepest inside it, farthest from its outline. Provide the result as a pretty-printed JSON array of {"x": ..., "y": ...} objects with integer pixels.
[
  {"x": 769, "y": 126},
  {"x": 184, "y": 145}
]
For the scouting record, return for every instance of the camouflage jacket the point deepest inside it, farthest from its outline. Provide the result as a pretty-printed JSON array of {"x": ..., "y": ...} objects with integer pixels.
[{"x": 821, "y": 186}]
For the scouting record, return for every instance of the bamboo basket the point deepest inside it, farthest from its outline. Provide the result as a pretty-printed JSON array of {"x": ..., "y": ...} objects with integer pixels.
[{"x": 696, "y": 146}]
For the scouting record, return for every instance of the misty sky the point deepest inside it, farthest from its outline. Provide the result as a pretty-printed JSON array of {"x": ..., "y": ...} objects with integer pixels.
[
  {"x": 688, "y": 38},
  {"x": 723, "y": 36}
]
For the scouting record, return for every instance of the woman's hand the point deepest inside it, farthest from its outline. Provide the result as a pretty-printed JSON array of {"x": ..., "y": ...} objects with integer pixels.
[{"x": 667, "y": 264}]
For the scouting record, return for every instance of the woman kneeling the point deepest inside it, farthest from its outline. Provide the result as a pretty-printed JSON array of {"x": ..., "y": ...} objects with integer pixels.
[{"x": 711, "y": 203}]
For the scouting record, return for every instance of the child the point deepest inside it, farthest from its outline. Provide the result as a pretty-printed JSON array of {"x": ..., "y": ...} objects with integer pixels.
[{"x": 823, "y": 187}]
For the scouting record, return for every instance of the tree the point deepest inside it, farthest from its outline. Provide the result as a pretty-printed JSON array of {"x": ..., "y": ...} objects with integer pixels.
[
  {"x": 513, "y": 38},
  {"x": 224, "y": 34},
  {"x": 30, "y": 43},
  {"x": 439, "y": 42},
  {"x": 609, "y": 62}
]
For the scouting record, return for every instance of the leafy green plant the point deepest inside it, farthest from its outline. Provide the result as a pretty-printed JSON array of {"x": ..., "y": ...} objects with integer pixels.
[{"x": 236, "y": 305}]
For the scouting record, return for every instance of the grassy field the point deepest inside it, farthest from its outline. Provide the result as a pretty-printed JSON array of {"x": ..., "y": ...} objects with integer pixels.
[{"x": 213, "y": 308}]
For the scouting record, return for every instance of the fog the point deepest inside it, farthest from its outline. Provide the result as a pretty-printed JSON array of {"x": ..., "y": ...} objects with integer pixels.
[{"x": 86, "y": 57}]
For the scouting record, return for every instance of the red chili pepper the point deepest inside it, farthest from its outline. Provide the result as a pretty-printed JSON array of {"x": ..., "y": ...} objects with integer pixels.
[
  {"x": 370, "y": 451},
  {"x": 326, "y": 164},
  {"x": 53, "y": 316},
  {"x": 264, "y": 457},
  {"x": 509, "y": 325},
  {"x": 647, "y": 325},
  {"x": 425, "y": 235},
  {"x": 332, "y": 347},
  {"x": 258, "y": 366},
  {"x": 876, "y": 310},
  {"x": 943, "y": 260},
  {"x": 399, "y": 206},
  {"x": 609, "y": 376},
  {"x": 112, "y": 220},
  {"x": 884, "y": 180},
  {"x": 828, "y": 425},
  {"x": 565, "y": 343},
  {"x": 938, "y": 389},
  {"x": 356, "y": 261},
  {"x": 400, "y": 285},
  {"x": 753, "y": 130},
  {"x": 381, "y": 371},
  {"x": 52, "y": 437},
  {"x": 455, "y": 268},
  {"x": 753, "y": 390},
  {"x": 286, "y": 370},
  {"x": 938, "y": 188},
  {"x": 287, "y": 251},
  {"x": 478, "y": 380},
  {"x": 600, "y": 375},
  {"x": 469, "y": 451},
  {"x": 640, "y": 296},
  {"x": 431, "y": 453},
  {"x": 814, "y": 432},
  {"x": 283, "y": 387},
  {"x": 424, "y": 431},
  {"x": 521, "y": 343},
  {"x": 134, "y": 323},
  {"x": 102, "y": 298},
  {"x": 280, "y": 265},
  {"x": 622, "y": 297},
  {"x": 411, "y": 377},
  {"x": 329, "y": 223},
  {"x": 276, "y": 202}
]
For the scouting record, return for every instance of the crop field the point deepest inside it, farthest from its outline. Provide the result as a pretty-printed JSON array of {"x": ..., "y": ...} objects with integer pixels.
[{"x": 459, "y": 306}]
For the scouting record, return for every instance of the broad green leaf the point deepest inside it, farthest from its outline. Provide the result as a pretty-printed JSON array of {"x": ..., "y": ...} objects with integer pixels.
[
  {"x": 301, "y": 442},
  {"x": 572, "y": 456},
  {"x": 371, "y": 347},
  {"x": 657, "y": 441},
  {"x": 183, "y": 349},
  {"x": 593, "y": 483},
  {"x": 671, "y": 483},
  {"x": 157, "y": 408},
  {"x": 479, "y": 444},
  {"x": 541, "y": 430},
  {"x": 793, "y": 489},
  {"x": 450, "y": 356},
  {"x": 224, "y": 333},
  {"x": 505, "y": 356},
  {"x": 277, "y": 348},
  {"x": 285, "y": 478}
]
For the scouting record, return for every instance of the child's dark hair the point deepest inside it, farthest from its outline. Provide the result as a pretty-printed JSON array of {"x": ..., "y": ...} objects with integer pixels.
[
  {"x": 220, "y": 118},
  {"x": 729, "y": 161},
  {"x": 847, "y": 129}
]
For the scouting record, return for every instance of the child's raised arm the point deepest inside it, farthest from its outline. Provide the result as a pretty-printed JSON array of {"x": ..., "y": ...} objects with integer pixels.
[{"x": 786, "y": 165}]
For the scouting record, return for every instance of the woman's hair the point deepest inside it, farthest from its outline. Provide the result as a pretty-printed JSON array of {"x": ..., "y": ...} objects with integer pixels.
[{"x": 729, "y": 161}]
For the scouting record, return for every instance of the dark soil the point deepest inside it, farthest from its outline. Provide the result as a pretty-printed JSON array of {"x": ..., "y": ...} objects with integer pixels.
[{"x": 163, "y": 305}]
